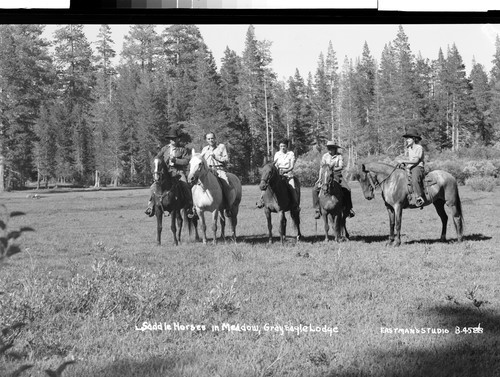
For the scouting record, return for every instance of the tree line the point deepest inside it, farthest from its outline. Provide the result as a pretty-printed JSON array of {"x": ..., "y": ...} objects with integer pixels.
[{"x": 69, "y": 114}]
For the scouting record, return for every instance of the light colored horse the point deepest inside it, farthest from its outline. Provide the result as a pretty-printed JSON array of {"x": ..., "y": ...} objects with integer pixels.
[{"x": 207, "y": 196}]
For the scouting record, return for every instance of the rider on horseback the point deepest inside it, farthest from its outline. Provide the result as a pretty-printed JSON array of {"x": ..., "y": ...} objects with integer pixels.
[
  {"x": 176, "y": 158},
  {"x": 334, "y": 161},
  {"x": 415, "y": 161},
  {"x": 284, "y": 160},
  {"x": 217, "y": 159}
]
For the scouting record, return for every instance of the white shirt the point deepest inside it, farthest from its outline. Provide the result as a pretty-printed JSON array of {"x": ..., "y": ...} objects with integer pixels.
[
  {"x": 336, "y": 161},
  {"x": 285, "y": 161},
  {"x": 218, "y": 159}
]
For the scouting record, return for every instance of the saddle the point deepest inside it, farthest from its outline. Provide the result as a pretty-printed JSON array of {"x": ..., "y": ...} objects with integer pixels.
[{"x": 427, "y": 182}]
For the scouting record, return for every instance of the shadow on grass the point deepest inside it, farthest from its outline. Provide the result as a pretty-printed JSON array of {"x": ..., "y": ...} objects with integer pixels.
[
  {"x": 154, "y": 366},
  {"x": 470, "y": 237},
  {"x": 445, "y": 355}
]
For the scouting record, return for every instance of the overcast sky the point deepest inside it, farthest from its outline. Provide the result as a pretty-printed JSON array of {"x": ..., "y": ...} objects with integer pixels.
[{"x": 298, "y": 46}]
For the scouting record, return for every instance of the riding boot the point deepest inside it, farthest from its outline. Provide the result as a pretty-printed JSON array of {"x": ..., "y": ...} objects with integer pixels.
[
  {"x": 260, "y": 203},
  {"x": 349, "y": 211},
  {"x": 419, "y": 201},
  {"x": 150, "y": 211}
]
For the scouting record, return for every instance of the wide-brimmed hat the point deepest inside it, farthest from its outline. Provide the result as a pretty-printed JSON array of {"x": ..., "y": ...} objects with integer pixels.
[
  {"x": 331, "y": 144},
  {"x": 412, "y": 132},
  {"x": 172, "y": 134}
]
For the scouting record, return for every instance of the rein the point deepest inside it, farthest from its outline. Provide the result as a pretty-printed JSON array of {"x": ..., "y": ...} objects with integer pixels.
[
  {"x": 374, "y": 185},
  {"x": 164, "y": 193}
]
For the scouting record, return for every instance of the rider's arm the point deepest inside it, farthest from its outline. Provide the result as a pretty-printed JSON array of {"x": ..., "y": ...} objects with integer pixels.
[
  {"x": 339, "y": 165},
  {"x": 183, "y": 160},
  {"x": 221, "y": 154}
]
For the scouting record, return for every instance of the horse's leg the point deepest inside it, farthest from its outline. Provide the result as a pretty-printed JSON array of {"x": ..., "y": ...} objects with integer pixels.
[
  {"x": 180, "y": 223},
  {"x": 398, "y": 211},
  {"x": 215, "y": 214},
  {"x": 173, "y": 216},
  {"x": 324, "y": 215},
  {"x": 390, "y": 211},
  {"x": 344, "y": 226},
  {"x": 439, "y": 205},
  {"x": 296, "y": 220},
  {"x": 456, "y": 211},
  {"x": 159, "y": 224},
  {"x": 282, "y": 227},
  {"x": 222, "y": 226},
  {"x": 267, "y": 211},
  {"x": 201, "y": 215},
  {"x": 458, "y": 221},
  {"x": 234, "y": 222}
]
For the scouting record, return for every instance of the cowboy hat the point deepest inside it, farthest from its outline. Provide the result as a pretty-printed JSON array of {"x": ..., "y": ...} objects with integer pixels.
[
  {"x": 171, "y": 134},
  {"x": 412, "y": 132},
  {"x": 331, "y": 144}
]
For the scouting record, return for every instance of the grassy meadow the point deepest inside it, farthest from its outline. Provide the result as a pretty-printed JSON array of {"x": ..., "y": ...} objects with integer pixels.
[{"x": 91, "y": 278}]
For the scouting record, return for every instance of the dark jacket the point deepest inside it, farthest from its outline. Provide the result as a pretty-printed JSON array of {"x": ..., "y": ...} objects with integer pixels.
[{"x": 181, "y": 159}]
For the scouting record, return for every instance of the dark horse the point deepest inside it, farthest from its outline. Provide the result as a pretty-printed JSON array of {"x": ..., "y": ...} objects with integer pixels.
[
  {"x": 331, "y": 204},
  {"x": 169, "y": 196},
  {"x": 277, "y": 198},
  {"x": 441, "y": 189}
]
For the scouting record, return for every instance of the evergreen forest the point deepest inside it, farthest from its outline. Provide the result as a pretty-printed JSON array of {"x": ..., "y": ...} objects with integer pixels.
[{"x": 69, "y": 114}]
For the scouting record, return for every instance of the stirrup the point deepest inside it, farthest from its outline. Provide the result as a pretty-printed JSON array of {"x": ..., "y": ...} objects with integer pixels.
[
  {"x": 317, "y": 215},
  {"x": 149, "y": 211},
  {"x": 260, "y": 204},
  {"x": 419, "y": 202},
  {"x": 191, "y": 213}
]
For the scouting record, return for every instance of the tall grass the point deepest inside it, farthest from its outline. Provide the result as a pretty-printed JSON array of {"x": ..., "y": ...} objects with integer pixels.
[{"x": 91, "y": 281}]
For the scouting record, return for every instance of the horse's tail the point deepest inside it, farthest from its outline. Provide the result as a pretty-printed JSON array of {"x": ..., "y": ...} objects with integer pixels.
[{"x": 459, "y": 214}]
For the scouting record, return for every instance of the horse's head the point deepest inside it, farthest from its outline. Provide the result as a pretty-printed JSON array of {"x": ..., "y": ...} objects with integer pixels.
[
  {"x": 162, "y": 176},
  {"x": 158, "y": 169},
  {"x": 366, "y": 181},
  {"x": 268, "y": 174},
  {"x": 197, "y": 167}
]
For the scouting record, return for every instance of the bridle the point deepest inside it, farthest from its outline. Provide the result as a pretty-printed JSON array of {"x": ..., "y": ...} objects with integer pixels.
[
  {"x": 374, "y": 183},
  {"x": 158, "y": 179},
  {"x": 264, "y": 183}
]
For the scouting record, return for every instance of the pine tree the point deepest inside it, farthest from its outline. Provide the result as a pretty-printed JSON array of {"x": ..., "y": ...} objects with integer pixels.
[
  {"x": 331, "y": 68},
  {"x": 26, "y": 77},
  {"x": 322, "y": 105},
  {"x": 481, "y": 92},
  {"x": 252, "y": 101},
  {"x": 237, "y": 134},
  {"x": 460, "y": 106},
  {"x": 104, "y": 117},
  {"x": 365, "y": 102},
  {"x": 495, "y": 91},
  {"x": 388, "y": 111},
  {"x": 73, "y": 59}
]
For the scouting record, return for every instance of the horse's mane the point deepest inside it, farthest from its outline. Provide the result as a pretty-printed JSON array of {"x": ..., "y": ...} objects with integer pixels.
[{"x": 380, "y": 167}]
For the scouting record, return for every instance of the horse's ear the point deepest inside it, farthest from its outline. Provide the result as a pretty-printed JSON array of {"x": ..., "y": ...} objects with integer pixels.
[
  {"x": 363, "y": 168},
  {"x": 193, "y": 152}
]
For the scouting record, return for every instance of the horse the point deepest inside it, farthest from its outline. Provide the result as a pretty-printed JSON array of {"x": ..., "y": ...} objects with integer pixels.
[
  {"x": 276, "y": 197},
  {"x": 207, "y": 196},
  {"x": 168, "y": 197},
  {"x": 441, "y": 189},
  {"x": 332, "y": 207}
]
